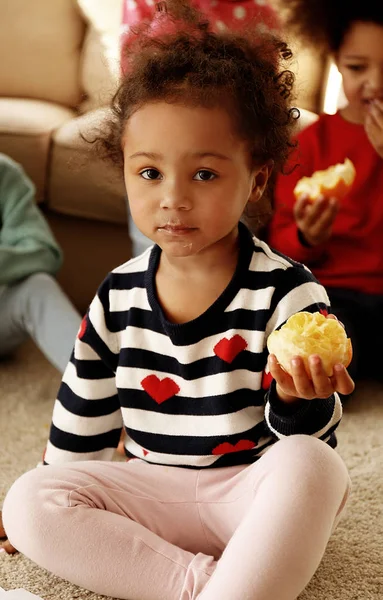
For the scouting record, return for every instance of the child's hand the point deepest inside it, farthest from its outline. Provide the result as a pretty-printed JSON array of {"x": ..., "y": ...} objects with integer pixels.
[
  {"x": 300, "y": 385},
  {"x": 315, "y": 219},
  {"x": 374, "y": 126},
  {"x": 7, "y": 546}
]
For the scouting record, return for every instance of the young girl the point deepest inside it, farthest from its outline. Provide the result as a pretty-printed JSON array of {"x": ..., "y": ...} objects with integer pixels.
[
  {"x": 341, "y": 241},
  {"x": 232, "y": 488},
  {"x": 222, "y": 15},
  {"x": 32, "y": 304}
]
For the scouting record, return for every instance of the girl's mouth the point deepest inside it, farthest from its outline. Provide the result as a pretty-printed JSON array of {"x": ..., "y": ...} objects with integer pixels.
[{"x": 177, "y": 229}]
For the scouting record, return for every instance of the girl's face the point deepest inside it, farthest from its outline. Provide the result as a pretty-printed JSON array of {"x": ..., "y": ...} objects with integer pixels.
[
  {"x": 188, "y": 176},
  {"x": 360, "y": 61}
]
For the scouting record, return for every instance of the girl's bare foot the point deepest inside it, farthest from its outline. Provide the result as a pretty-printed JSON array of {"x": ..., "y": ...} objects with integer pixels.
[{"x": 6, "y": 546}]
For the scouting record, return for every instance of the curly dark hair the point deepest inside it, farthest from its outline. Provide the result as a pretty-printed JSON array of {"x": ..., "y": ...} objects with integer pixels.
[
  {"x": 324, "y": 23},
  {"x": 178, "y": 59}
]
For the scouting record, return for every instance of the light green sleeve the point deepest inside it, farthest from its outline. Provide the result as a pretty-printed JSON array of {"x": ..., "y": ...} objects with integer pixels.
[{"x": 27, "y": 244}]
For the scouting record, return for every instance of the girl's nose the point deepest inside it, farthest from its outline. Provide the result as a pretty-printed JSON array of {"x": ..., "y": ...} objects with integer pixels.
[{"x": 175, "y": 196}]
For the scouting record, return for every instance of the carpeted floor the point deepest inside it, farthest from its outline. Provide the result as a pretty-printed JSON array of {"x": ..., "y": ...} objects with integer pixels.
[{"x": 352, "y": 568}]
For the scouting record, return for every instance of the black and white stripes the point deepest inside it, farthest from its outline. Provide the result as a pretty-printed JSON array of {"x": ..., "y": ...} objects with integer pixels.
[{"x": 190, "y": 394}]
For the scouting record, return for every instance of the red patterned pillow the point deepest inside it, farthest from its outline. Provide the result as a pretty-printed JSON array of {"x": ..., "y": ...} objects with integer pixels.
[{"x": 222, "y": 14}]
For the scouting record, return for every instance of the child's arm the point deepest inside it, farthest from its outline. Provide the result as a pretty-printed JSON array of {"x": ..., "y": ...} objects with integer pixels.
[
  {"x": 314, "y": 220},
  {"x": 26, "y": 243},
  {"x": 298, "y": 290},
  {"x": 87, "y": 420},
  {"x": 300, "y": 228}
]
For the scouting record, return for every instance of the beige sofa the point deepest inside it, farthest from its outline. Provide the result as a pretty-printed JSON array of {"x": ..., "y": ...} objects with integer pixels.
[{"x": 58, "y": 69}]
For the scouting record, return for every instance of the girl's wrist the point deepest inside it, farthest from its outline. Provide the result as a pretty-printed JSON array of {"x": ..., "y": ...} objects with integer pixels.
[{"x": 285, "y": 398}]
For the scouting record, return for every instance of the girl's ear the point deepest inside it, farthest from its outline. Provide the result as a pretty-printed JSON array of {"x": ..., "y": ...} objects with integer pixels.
[{"x": 261, "y": 176}]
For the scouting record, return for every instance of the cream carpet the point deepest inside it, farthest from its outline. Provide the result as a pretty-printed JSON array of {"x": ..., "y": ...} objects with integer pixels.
[{"x": 352, "y": 568}]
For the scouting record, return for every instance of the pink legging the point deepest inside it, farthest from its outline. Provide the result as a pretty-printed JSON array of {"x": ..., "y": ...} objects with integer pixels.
[{"x": 145, "y": 532}]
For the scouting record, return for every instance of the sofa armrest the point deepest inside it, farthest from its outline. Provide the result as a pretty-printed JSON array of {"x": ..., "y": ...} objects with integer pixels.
[
  {"x": 80, "y": 183},
  {"x": 26, "y": 128}
]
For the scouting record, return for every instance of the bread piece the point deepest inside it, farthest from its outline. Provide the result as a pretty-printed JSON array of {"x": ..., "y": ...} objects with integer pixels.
[
  {"x": 308, "y": 333},
  {"x": 336, "y": 181}
]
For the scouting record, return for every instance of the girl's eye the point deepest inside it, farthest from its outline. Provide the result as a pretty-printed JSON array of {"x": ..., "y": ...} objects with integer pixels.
[
  {"x": 355, "y": 68},
  {"x": 204, "y": 175},
  {"x": 150, "y": 174}
]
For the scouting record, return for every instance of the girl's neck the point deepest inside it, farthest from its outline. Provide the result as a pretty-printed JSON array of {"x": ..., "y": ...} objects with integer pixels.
[{"x": 187, "y": 287}]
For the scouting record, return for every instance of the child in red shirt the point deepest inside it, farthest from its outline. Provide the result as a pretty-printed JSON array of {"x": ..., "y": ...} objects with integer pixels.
[{"x": 341, "y": 241}]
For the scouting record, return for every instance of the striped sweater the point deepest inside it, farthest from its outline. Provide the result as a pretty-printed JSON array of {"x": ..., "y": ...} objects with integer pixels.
[{"x": 194, "y": 394}]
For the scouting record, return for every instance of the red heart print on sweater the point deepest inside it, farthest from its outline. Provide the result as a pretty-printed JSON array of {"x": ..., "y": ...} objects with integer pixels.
[
  {"x": 323, "y": 311},
  {"x": 82, "y": 329},
  {"x": 226, "y": 447},
  {"x": 267, "y": 378},
  {"x": 227, "y": 350},
  {"x": 160, "y": 389}
]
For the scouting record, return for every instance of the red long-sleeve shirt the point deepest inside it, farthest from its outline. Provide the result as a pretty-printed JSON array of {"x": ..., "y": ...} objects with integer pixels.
[{"x": 353, "y": 257}]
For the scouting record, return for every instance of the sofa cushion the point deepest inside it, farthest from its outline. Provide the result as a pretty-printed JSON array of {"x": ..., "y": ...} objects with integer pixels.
[
  {"x": 81, "y": 184},
  {"x": 25, "y": 133},
  {"x": 40, "y": 49}
]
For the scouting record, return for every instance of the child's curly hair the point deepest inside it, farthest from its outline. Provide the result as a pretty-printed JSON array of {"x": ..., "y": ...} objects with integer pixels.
[
  {"x": 324, "y": 23},
  {"x": 177, "y": 58}
]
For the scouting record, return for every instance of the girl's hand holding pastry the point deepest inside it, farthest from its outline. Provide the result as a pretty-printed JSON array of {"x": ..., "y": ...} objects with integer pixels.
[
  {"x": 308, "y": 358},
  {"x": 300, "y": 385}
]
